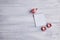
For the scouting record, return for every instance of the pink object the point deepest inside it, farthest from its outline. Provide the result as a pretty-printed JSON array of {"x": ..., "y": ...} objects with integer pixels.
[
  {"x": 43, "y": 28},
  {"x": 33, "y": 11},
  {"x": 48, "y": 25}
]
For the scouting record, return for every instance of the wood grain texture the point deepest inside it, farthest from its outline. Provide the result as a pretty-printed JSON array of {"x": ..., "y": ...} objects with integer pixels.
[{"x": 16, "y": 23}]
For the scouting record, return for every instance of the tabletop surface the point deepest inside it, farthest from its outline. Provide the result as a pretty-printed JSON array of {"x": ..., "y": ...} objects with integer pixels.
[{"x": 16, "y": 22}]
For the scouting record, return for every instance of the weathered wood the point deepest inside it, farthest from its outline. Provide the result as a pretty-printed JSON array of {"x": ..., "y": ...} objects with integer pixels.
[{"x": 16, "y": 23}]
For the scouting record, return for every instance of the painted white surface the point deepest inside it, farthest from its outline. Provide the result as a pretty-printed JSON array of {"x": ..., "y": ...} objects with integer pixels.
[{"x": 16, "y": 23}]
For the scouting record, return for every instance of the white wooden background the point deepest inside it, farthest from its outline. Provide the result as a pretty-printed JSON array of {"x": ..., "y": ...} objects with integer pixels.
[{"x": 16, "y": 23}]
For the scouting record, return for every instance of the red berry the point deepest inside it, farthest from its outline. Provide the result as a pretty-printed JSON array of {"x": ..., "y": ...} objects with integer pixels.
[
  {"x": 43, "y": 28},
  {"x": 33, "y": 11},
  {"x": 48, "y": 25}
]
